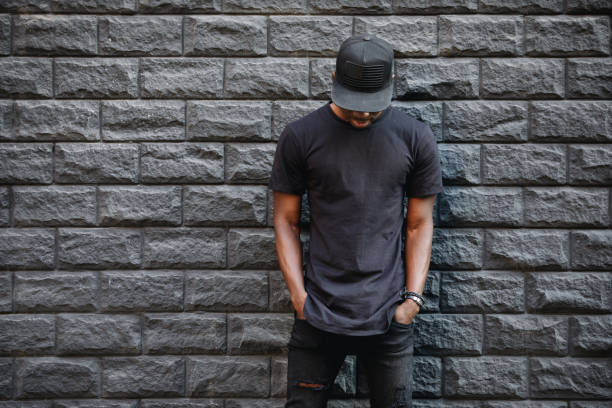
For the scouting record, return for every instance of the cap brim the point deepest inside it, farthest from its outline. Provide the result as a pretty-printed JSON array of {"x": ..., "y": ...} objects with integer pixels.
[{"x": 361, "y": 101}]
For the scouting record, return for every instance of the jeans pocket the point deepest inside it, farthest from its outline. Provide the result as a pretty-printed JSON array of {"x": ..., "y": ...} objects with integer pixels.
[{"x": 402, "y": 325}]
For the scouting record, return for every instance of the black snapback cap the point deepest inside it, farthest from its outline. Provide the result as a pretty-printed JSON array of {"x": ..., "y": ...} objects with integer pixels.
[{"x": 363, "y": 79}]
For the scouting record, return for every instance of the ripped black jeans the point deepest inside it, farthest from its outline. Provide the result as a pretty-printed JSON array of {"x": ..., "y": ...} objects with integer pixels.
[{"x": 315, "y": 357}]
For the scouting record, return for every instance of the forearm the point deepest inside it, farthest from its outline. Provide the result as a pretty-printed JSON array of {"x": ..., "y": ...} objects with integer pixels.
[
  {"x": 289, "y": 253},
  {"x": 418, "y": 253}
]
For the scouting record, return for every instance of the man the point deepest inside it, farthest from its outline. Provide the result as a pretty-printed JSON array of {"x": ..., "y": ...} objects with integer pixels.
[{"x": 357, "y": 157}]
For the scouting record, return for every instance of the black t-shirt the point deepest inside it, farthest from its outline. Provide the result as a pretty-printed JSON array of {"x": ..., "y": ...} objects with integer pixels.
[{"x": 356, "y": 181}]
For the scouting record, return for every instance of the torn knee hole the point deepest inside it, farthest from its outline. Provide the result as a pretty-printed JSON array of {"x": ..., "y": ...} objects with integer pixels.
[{"x": 314, "y": 386}]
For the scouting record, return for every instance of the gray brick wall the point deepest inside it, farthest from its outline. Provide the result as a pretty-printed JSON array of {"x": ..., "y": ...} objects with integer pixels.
[{"x": 136, "y": 242}]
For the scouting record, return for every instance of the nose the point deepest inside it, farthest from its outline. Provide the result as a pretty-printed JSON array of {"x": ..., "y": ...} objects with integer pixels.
[{"x": 362, "y": 115}]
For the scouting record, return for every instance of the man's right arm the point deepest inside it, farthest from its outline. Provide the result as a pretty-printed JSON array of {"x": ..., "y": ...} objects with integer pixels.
[{"x": 288, "y": 247}]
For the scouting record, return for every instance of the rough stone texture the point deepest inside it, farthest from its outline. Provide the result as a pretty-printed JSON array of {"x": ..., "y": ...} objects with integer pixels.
[
  {"x": 488, "y": 292},
  {"x": 435, "y": 6},
  {"x": 25, "y": 77},
  {"x": 588, "y": 6},
  {"x": 566, "y": 207},
  {"x": 224, "y": 205},
  {"x": 54, "y": 35},
  {"x": 521, "y": 6},
  {"x": 31, "y": 248},
  {"x": 249, "y": 163},
  {"x": 143, "y": 376},
  {"x": 591, "y": 249},
  {"x": 443, "y": 78},
  {"x": 96, "y": 163},
  {"x": 6, "y": 292},
  {"x": 428, "y": 112},
  {"x": 251, "y": 248},
  {"x": 259, "y": 333},
  {"x": 98, "y": 248},
  {"x": 524, "y": 78},
  {"x": 265, "y": 6},
  {"x": 184, "y": 248},
  {"x": 26, "y": 335},
  {"x": 181, "y": 78},
  {"x": 460, "y": 163},
  {"x": 481, "y": 35},
  {"x": 567, "y": 35},
  {"x": 591, "y": 335},
  {"x": 459, "y": 248},
  {"x": 590, "y": 164},
  {"x": 571, "y": 121},
  {"x": 143, "y": 120},
  {"x": 187, "y": 333},
  {"x": 44, "y": 120},
  {"x": 589, "y": 78},
  {"x": 179, "y": 6},
  {"x": 307, "y": 36},
  {"x": 321, "y": 77},
  {"x": 95, "y": 6},
  {"x": 558, "y": 292},
  {"x": 247, "y": 376},
  {"x": 278, "y": 78},
  {"x": 181, "y": 163},
  {"x": 54, "y": 206},
  {"x": 570, "y": 377},
  {"x": 441, "y": 334},
  {"x": 5, "y": 34},
  {"x": 140, "y": 35},
  {"x": 524, "y": 164},
  {"x": 96, "y": 78},
  {"x": 533, "y": 335},
  {"x": 284, "y": 112},
  {"x": 225, "y": 36},
  {"x": 485, "y": 121},
  {"x": 97, "y": 334},
  {"x": 37, "y": 292},
  {"x": 409, "y": 36},
  {"x": 139, "y": 205},
  {"x": 26, "y": 163},
  {"x": 247, "y": 121},
  {"x": 53, "y": 377}
]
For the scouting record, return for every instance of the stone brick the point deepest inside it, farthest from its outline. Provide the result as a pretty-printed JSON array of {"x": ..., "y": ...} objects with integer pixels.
[
  {"x": 54, "y": 35},
  {"x": 98, "y": 248},
  {"x": 278, "y": 376},
  {"x": 255, "y": 403},
  {"x": 55, "y": 291},
  {"x": 481, "y": 206},
  {"x": 526, "y": 249},
  {"x": 410, "y": 36},
  {"x": 284, "y": 112},
  {"x": 143, "y": 376},
  {"x": 182, "y": 403},
  {"x": 252, "y": 248},
  {"x": 448, "y": 334},
  {"x": 588, "y": 6},
  {"x": 265, "y": 6},
  {"x": 26, "y": 163},
  {"x": 524, "y": 164},
  {"x": 139, "y": 205},
  {"x": 590, "y": 164},
  {"x": 431, "y": 292},
  {"x": 249, "y": 162},
  {"x": 321, "y": 77},
  {"x": 427, "y": 112},
  {"x": 523, "y": 78},
  {"x": 280, "y": 298},
  {"x": 54, "y": 206},
  {"x": 6, "y": 297},
  {"x": 139, "y": 291},
  {"x": 96, "y": 78},
  {"x": 435, "y": 6},
  {"x": 281, "y": 78},
  {"x": 26, "y": 404},
  {"x": 460, "y": 163},
  {"x": 481, "y": 35},
  {"x": 521, "y": 7},
  {"x": 25, "y": 77},
  {"x": 98, "y": 334},
  {"x": 6, "y": 120},
  {"x": 590, "y": 404},
  {"x": 95, "y": 403},
  {"x": 591, "y": 249},
  {"x": 589, "y": 78},
  {"x": 244, "y": 291},
  {"x": 96, "y": 163},
  {"x": 224, "y": 205},
  {"x": 244, "y": 376},
  {"x": 4, "y": 207},
  {"x": 459, "y": 248},
  {"x": 553, "y": 36},
  {"x": 143, "y": 120},
  {"x": 344, "y": 385},
  {"x": 566, "y": 207},
  {"x": 571, "y": 121},
  {"x": 590, "y": 335},
  {"x": 94, "y": 6},
  {"x": 225, "y": 36},
  {"x": 26, "y": 335},
  {"x": 485, "y": 121},
  {"x": 259, "y": 333},
  {"x": 569, "y": 377},
  {"x": 31, "y": 248},
  {"x": 562, "y": 292},
  {"x": 487, "y": 376},
  {"x": 184, "y": 333},
  {"x": 56, "y": 121},
  {"x": 184, "y": 248},
  {"x": 248, "y": 121},
  {"x": 308, "y": 35},
  {"x": 6, "y": 381},
  {"x": 525, "y": 334},
  {"x": 54, "y": 377},
  {"x": 140, "y": 35},
  {"x": 524, "y": 404},
  {"x": 351, "y": 6},
  {"x": 25, "y": 6},
  {"x": 181, "y": 78},
  {"x": 179, "y": 6},
  {"x": 182, "y": 163},
  {"x": 482, "y": 292},
  {"x": 427, "y": 377},
  {"x": 5, "y": 34},
  {"x": 442, "y": 78}
]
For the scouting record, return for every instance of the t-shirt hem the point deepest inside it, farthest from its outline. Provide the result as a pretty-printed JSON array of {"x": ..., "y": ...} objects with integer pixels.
[
  {"x": 285, "y": 189},
  {"x": 425, "y": 193},
  {"x": 346, "y": 332}
]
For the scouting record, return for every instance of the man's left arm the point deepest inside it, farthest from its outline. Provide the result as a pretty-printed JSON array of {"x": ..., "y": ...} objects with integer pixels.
[{"x": 419, "y": 236}]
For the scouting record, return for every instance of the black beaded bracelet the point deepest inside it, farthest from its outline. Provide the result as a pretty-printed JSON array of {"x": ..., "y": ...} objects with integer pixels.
[{"x": 406, "y": 294}]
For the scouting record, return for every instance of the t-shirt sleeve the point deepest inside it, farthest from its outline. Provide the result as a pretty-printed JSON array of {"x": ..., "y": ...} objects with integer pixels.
[
  {"x": 425, "y": 179},
  {"x": 288, "y": 169}
]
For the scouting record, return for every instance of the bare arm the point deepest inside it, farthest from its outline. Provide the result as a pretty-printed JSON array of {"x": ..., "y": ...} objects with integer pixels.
[
  {"x": 288, "y": 247},
  {"x": 419, "y": 235}
]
